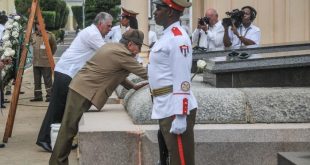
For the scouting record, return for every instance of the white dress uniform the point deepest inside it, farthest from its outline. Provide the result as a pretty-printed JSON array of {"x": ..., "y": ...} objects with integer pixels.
[
  {"x": 152, "y": 37},
  {"x": 252, "y": 32},
  {"x": 115, "y": 34},
  {"x": 170, "y": 64}
]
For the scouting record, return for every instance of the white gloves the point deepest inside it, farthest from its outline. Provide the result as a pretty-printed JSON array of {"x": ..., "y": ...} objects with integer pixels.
[{"x": 178, "y": 125}]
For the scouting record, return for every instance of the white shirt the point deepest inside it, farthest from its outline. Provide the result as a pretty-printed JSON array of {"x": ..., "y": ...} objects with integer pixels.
[
  {"x": 170, "y": 64},
  {"x": 252, "y": 33},
  {"x": 152, "y": 37},
  {"x": 211, "y": 39},
  {"x": 81, "y": 50}
]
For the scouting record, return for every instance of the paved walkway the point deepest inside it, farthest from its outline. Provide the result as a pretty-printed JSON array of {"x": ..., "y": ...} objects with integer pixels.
[{"x": 21, "y": 148}]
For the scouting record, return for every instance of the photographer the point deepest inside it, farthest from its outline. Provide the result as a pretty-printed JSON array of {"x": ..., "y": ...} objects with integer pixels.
[
  {"x": 244, "y": 34},
  {"x": 209, "y": 32}
]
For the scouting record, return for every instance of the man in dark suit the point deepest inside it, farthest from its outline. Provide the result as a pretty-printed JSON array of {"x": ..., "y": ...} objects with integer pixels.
[{"x": 94, "y": 83}]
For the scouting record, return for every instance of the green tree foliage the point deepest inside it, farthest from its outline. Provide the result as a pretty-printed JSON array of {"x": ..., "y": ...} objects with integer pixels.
[
  {"x": 58, "y": 6},
  {"x": 78, "y": 15},
  {"x": 23, "y": 7},
  {"x": 92, "y": 7},
  {"x": 49, "y": 19}
]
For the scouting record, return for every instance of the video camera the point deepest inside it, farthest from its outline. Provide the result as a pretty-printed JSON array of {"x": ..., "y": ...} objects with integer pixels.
[
  {"x": 203, "y": 21},
  {"x": 235, "y": 16}
]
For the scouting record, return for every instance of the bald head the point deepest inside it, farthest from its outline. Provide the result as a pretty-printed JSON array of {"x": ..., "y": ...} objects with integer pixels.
[{"x": 212, "y": 15}]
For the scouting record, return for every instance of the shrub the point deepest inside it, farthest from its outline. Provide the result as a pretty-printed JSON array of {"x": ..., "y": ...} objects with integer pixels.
[
  {"x": 49, "y": 19},
  {"x": 23, "y": 7},
  {"x": 58, "y": 6},
  {"x": 92, "y": 7}
]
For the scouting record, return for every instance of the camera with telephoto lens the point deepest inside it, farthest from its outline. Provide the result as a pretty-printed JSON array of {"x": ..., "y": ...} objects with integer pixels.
[
  {"x": 203, "y": 21},
  {"x": 235, "y": 16}
]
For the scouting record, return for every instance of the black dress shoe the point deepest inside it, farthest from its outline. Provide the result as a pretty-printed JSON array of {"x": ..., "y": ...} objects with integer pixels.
[
  {"x": 47, "y": 100},
  {"x": 46, "y": 146},
  {"x": 7, "y": 92},
  {"x": 6, "y": 101},
  {"x": 21, "y": 92},
  {"x": 2, "y": 145},
  {"x": 36, "y": 99},
  {"x": 3, "y": 106}
]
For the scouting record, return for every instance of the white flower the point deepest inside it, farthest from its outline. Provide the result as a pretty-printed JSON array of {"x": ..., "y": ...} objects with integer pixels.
[
  {"x": 12, "y": 52},
  {"x": 8, "y": 49},
  {"x": 17, "y": 17},
  {"x": 201, "y": 64},
  {"x": 15, "y": 24},
  {"x": 8, "y": 26},
  {"x": 6, "y": 37},
  {"x": 15, "y": 34},
  {"x": 10, "y": 21},
  {"x": 7, "y": 44},
  {"x": 7, "y": 32},
  {"x": 7, "y": 52}
]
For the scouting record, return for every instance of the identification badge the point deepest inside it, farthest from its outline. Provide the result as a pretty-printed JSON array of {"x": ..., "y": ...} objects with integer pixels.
[{"x": 42, "y": 46}]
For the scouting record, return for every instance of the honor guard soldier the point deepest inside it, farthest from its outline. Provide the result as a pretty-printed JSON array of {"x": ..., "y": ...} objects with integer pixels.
[
  {"x": 116, "y": 32},
  {"x": 169, "y": 71},
  {"x": 128, "y": 21}
]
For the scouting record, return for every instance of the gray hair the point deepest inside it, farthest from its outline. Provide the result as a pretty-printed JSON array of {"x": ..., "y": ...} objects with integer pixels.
[{"x": 102, "y": 17}]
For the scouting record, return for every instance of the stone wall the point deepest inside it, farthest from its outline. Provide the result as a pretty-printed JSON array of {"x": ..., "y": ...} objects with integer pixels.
[{"x": 232, "y": 105}]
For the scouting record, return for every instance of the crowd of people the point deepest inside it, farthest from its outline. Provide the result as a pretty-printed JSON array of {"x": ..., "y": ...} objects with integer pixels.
[{"x": 101, "y": 57}]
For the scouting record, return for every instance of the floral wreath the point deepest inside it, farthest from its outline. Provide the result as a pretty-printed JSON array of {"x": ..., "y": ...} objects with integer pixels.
[{"x": 10, "y": 45}]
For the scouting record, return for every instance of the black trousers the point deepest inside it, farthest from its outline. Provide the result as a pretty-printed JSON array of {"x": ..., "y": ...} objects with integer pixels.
[
  {"x": 56, "y": 106},
  {"x": 38, "y": 73}
]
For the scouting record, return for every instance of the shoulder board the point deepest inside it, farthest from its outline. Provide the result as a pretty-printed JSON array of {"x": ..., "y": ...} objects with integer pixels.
[{"x": 176, "y": 31}]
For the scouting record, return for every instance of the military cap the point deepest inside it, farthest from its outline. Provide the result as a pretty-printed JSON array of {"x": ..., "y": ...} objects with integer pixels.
[
  {"x": 134, "y": 35},
  {"x": 179, "y": 5},
  {"x": 129, "y": 13}
]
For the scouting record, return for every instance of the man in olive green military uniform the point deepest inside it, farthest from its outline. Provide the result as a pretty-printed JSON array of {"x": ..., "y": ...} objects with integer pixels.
[
  {"x": 41, "y": 66},
  {"x": 94, "y": 83}
]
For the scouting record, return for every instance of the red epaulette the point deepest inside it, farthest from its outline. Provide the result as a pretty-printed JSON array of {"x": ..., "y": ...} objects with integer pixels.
[{"x": 176, "y": 31}]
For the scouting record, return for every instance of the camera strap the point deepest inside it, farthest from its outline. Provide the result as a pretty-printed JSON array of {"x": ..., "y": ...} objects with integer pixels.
[{"x": 246, "y": 31}]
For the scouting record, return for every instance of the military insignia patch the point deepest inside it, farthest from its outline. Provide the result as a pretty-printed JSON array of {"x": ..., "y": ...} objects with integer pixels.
[
  {"x": 184, "y": 50},
  {"x": 176, "y": 31},
  {"x": 185, "y": 86}
]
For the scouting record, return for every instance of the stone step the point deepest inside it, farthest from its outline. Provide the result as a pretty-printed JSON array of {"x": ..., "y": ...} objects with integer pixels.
[
  {"x": 122, "y": 142},
  {"x": 294, "y": 158}
]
